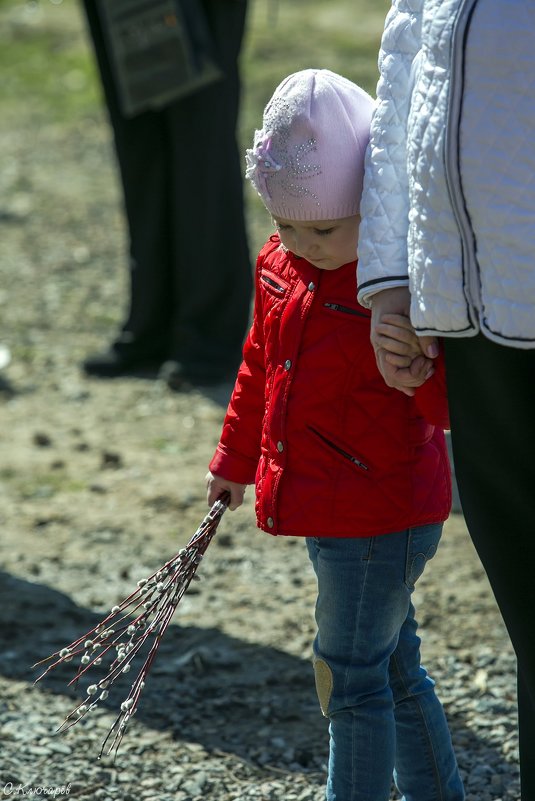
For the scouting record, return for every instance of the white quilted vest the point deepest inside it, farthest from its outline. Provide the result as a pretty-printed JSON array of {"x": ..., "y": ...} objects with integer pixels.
[{"x": 449, "y": 192}]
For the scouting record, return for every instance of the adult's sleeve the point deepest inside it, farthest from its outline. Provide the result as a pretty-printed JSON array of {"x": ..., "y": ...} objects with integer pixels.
[{"x": 382, "y": 248}]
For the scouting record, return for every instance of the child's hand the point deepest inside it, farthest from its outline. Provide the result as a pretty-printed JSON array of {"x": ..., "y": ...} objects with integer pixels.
[
  {"x": 395, "y": 334},
  {"x": 404, "y": 348},
  {"x": 393, "y": 305},
  {"x": 216, "y": 485}
]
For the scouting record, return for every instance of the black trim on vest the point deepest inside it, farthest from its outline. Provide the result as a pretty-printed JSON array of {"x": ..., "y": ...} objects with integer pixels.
[{"x": 385, "y": 279}]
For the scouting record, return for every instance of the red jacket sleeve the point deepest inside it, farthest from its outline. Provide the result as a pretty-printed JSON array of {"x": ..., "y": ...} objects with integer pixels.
[
  {"x": 237, "y": 454},
  {"x": 432, "y": 398}
]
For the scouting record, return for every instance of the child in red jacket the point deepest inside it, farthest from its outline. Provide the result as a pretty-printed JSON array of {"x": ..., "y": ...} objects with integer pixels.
[{"x": 356, "y": 467}]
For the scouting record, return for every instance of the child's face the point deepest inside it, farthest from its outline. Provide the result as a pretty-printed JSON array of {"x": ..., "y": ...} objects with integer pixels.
[{"x": 327, "y": 244}]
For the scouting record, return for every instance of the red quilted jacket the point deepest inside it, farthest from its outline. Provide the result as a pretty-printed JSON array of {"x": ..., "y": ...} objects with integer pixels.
[{"x": 333, "y": 451}]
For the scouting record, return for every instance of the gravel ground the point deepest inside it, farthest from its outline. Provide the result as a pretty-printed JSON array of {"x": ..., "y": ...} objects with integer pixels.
[{"x": 102, "y": 481}]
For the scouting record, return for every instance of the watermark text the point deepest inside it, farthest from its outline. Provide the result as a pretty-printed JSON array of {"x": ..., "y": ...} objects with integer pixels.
[{"x": 36, "y": 791}]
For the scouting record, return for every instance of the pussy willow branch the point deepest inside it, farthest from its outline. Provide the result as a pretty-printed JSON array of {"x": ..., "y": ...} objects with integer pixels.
[{"x": 153, "y": 603}]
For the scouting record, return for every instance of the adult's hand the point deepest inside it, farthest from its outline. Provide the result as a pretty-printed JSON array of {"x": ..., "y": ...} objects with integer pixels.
[{"x": 404, "y": 360}]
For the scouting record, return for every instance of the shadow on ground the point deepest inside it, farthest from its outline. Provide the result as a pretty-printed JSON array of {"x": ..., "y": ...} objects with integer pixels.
[{"x": 205, "y": 686}]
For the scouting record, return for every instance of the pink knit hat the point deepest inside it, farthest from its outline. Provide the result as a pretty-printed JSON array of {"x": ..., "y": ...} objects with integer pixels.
[{"x": 307, "y": 162}]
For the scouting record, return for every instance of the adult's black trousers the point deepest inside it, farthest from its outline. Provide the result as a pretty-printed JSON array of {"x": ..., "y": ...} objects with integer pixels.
[{"x": 492, "y": 408}]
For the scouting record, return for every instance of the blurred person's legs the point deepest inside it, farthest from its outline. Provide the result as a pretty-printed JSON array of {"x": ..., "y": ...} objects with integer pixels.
[
  {"x": 140, "y": 150},
  {"x": 190, "y": 276},
  {"x": 212, "y": 277},
  {"x": 493, "y": 435}
]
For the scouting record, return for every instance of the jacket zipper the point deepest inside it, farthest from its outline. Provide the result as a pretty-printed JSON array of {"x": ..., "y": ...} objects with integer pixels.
[
  {"x": 272, "y": 283},
  {"x": 345, "y": 309},
  {"x": 340, "y": 450},
  {"x": 451, "y": 157}
]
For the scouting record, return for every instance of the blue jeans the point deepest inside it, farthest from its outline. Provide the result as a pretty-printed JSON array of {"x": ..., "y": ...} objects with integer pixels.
[{"x": 385, "y": 719}]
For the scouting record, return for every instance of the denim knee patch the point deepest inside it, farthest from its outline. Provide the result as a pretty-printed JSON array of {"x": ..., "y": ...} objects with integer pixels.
[{"x": 324, "y": 684}]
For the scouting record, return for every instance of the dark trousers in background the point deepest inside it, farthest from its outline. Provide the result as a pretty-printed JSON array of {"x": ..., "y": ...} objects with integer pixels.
[
  {"x": 181, "y": 174},
  {"x": 492, "y": 405}
]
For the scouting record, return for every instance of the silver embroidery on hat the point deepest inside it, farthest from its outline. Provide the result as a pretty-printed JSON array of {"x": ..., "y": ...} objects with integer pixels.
[{"x": 274, "y": 160}]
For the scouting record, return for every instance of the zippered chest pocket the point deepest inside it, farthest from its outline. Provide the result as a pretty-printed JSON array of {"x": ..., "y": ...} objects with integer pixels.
[
  {"x": 273, "y": 284},
  {"x": 349, "y": 325},
  {"x": 340, "y": 308}
]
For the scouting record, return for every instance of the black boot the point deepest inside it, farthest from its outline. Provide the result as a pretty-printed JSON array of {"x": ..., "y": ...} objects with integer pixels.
[{"x": 125, "y": 356}]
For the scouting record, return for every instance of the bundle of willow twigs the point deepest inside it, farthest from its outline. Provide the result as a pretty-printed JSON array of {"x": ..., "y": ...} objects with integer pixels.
[{"x": 142, "y": 618}]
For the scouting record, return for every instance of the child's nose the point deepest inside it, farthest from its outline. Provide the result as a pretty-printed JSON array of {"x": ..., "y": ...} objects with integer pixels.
[{"x": 305, "y": 244}]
